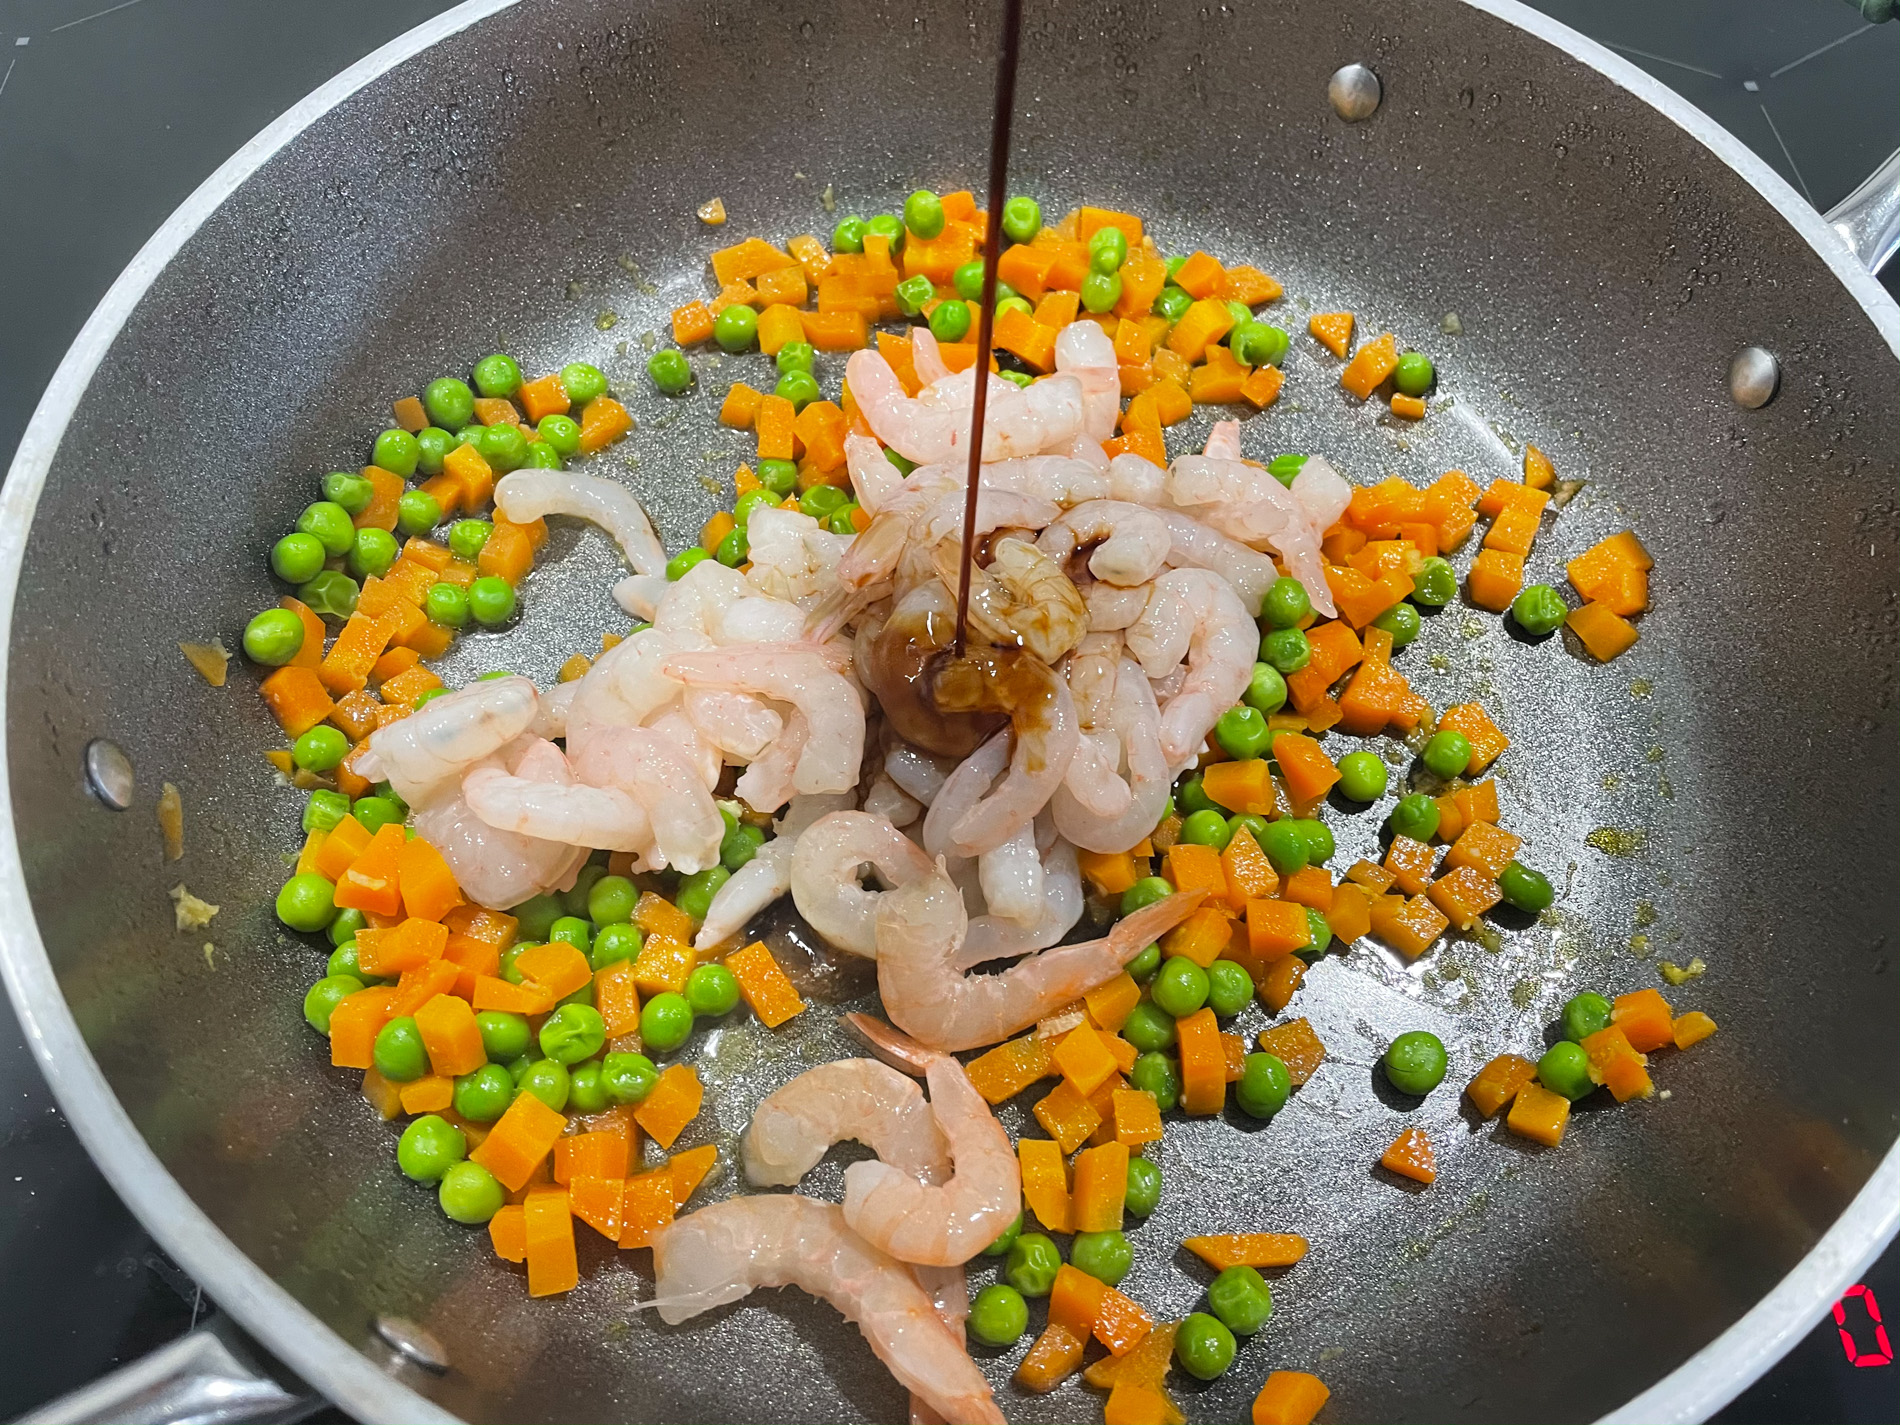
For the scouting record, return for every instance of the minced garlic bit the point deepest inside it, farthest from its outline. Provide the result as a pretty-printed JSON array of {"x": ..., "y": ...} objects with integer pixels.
[
  {"x": 171, "y": 821},
  {"x": 193, "y": 912},
  {"x": 574, "y": 669},
  {"x": 1682, "y": 974},
  {"x": 712, "y": 213},
  {"x": 210, "y": 964},
  {"x": 210, "y": 659}
]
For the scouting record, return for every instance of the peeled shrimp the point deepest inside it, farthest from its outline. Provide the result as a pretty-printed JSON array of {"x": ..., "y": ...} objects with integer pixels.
[
  {"x": 1194, "y": 614},
  {"x": 1136, "y": 479},
  {"x": 721, "y": 1253},
  {"x": 1112, "y": 609},
  {"x": 1223, "y": 441},
  {"x": 766, "y": 877},
  {"x": 1131, "y": 542},
  {"x": 766, "y": 784},
  {"x": 649, "y": 767},
  {"x": 1198, "y": 546},
  {"x": 801, "y": 676},
  {"x": 424, "y": 755},
  {"x": 595, "y": 817},
  {"x": 550, "y": 718},
  {"x": 995, "y": 509},
  {"x": 890, "y": 801},
  {"x": 1011, "y": 878},
  {"x": 738, "y": 724},
  {"x": 1042, "y": 738},
  {"x": 1065, "y": 479},
  {"x": 921, "y": 927},
  {"x": 825, "y": 875},
  {"x": 792, "y": 558},
  {"x": 925, "y": 357},
  {"x": 1023, "y": 598},
  {"x": 863, "y": 1100},
  {"x": 694, "y": 604},
  {"x": 1092, "y": 778},
  {"x": 494, "y": 867},
  {"x": 873, "y": 478},
  {"x": 1137, "y": 723},
  {"x": 1084, "y": 351},
  {"x": 934, "y": 425},
  {"x": 919, "y": 773},
  {"x": 993, "y": 938},
  {"x": 936, "y": 1224},
  {"x": 640, "y": 594},
  {"x": 1322, "y": 493},
  {"x": 527, "y": 495},
  {"x": 625, "y": 686}
]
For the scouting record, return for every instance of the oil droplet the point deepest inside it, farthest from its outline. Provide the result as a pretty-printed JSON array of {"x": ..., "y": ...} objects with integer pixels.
[
  {"x": 1612, "y": 841},
  {"x": 1611, "y": 781},
  {"x": 1639, "y": 946},
  {"x": 1472, "y": 628},
  {"x": 1524, "y": 993},
  {"x": 1645, "y": 913},
  {"x": 1655, "y": 754},
  {"x": 1439, "y": 663},
  {"x": 1641, "y": 688},
  {"x": 606, "y": 321}
]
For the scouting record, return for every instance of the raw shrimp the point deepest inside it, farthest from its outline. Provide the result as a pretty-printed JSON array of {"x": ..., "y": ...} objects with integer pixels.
[
  {"x": 766, "y": 877},
  {"x": 934, "y": 425},
  {"x": 1136, "y": 479},
  {"x": 936, "y": 1224},
  {"x": 738, "y": 724},
  {"x": 625, "y": 686},
  {"x": 649, "y": 767},
  {"x": 1084, "y": 351},
  {"x": 759, "y": 618},
  {"x": 1112, "y": 609},
  {"x": 424, "y": 755},
  {"x": 1197, "y": 546},
  {"x": 1011, "y": 878},
  {"x": 1131, "y": 542},
  {"x": 916, "y": 772},
  {"x": 993, "y": 938},
  {"x": 1322, "y": 493},
  {"x": 863, "y": 1100},
  {"x": 925, "y": 357},
  {"x": 792, "y": 558},
  {"x": 766, "y": 785},
  {"x": 699, "y": 754},
  {"x": 960, "y": 790},
  {"x": 921, "y": 927},
  {"x": 802, "y": 676},
  {"x": 723, "y": 1252},
  {"x": 1065, "y": 479},
  {"x": 890, "y": 801},
  {"x": 1223, "y": 441},
  {"x": 529, "y": 494},
  {"x": 501, "y": 868},
  {"x": 549, "y": 810},
  {"x": 1093, "y": 778},
  {"x": 1137, "y": 723},
  {"x": 550, "y": 719},
  {"x": 640, "y": 594},
  {"x": 995, "y": 509},
  {"x": 1194, "y": 614},
  {"x": 873, "y": 478},
  {"x": 978, "y": 818},
  {"x": 825, "y": 875},
  {"x": 1023, "y": 598}
]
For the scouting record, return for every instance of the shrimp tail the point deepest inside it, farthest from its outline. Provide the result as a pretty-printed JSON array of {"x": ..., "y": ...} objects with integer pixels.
[
  {"x": 1137, "y": 932},
  {"x": 891, "y": 1045}
]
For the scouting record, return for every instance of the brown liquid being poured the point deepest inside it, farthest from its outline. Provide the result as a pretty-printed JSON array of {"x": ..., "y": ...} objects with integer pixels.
[{"x": 898, "y": 675}]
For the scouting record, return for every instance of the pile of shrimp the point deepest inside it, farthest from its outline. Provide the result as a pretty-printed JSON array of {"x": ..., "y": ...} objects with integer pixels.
[{"x": 926, "y": 808}]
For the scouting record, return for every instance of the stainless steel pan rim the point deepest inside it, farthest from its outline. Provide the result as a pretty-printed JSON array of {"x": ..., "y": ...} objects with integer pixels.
[{"x": 1698, "y": 1387}]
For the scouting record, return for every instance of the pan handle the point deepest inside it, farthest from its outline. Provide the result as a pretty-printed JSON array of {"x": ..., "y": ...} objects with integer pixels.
[
  {"x": 1868, "y": 219},
  {"x": 202, "y": 1378}
]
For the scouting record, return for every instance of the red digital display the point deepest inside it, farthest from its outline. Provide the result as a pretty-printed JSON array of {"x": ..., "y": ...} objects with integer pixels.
[{"x": 1882, "y": 1352}]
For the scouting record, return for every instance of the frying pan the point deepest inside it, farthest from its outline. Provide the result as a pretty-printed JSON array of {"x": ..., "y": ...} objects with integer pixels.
[{"x": 525, "y": 178}]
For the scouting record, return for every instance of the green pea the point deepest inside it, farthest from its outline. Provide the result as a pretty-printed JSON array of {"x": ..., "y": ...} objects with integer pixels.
[
  {"x": 1254, "y": 826},
  {"x": 613, "y": 943},
  {"x": 1539, "y": 610},
  {"x": 1019, "y": 304},
  {"x": 374, "y": 813},
  {"x": 1142, "y": 968},
  {"x": 795, "y": 356},
  {"x": 712, "y": 990},
  {"x": 677, "y": 566},
  {"x": 1286, "y": 603},
  {"x": 572, "y": 930},
  {"x": 1101, "y": 291},
  {"x": 1415, "y": 1062},
  {"x": 967, "y": 280},
  {"x": 518, "y": 1070},
  {"x": 665, "y": 1021},
  {"x": 320, "y": 748},
  {"x": 1172, "y": 303},
  {"x": 322, "y": 998},
  {"x": 778, "y": 476},
  {"x": 449, "y": 402},
  {"x": 848, "y": 236},
  {"x": 1255, "y": 343},
  {"x": 1525, "y": 889},
  {"x": 1448, "y": 753},
  {"x": 734, "y": 548},
  {"x": 305, "y": 903},
  {"x": 483, "y": 1096},
  {"x": 398, "y": 1051},
  {"x": 433, "y": 445},
  {"x": 1229, "y": 988},
  {"x": 446, "y": 604},
  {"x": 923, "y": 213},
  {"x": 1286, "y": 649},
  {"x": 1242, "y": 733},
  {"x": 586, "y": 1091},
  {"x": 1286, "y": 847},
  {"x": 1033, "y": 1264},
  {"x": 351, "y": 492},
  {"x": 1401, "y": 621},
  {"x": 998, "y": 1314},
  {"x": 505, "y": 1036},
  {"x": 1149, "y": 1027},
  {"x": 372, "y": 553},
  {"x": 1565, "y": 1069},
  {"x": 1204, "y": 1346},
  {"x": 891, "y": 228},
  {"x": 468, "y": 537},
  {"x": 1006, "y": 1239},
  {"x": 1320, "y": 935},
  {"x": 1362, "y": 776},
  {"x": 950, "y": 321},
  {"x": 397, "y": 451},
  {"x": 1286, "y": 468},
  {"x": 329, "y": 524},
  {"x": 1143, "y": 1194},
  {"x": 469, "y": 1194},
  {"x": 574, "y": 900},
  {"x": 739, "y": 846},
  {"x": 1263, "y": 1086},
  {"x": 750, "y": 502},
  {"x": 429, "y": 1147},
  {"x": 1415, "y": 816},
  {"x": 547, "y": 1080},
  {"x": 331, "y": 594},
  {"x": 798, "y": 387},
  {"x": 297, "y": 558},
  {"x": 1266, "y": 691},
  {"x": 1585, "y": 1014},
  {"x": 697, "y": 890},
  {"x": 610, "y": 899},
  {"x": 736, "y": 329},
  {"x": 1435, "y": 584},
  {"x": 345, "y": 924},
  {"x": 572, "y": 1033},
  {"x": 1108, "y": 250},
  {"x": 1319, "y": 840},
  {"x": 913, "y": 293},
  {"x": 1146, "y": 891},
  {"x": 1180, "y": 986},
  {"x": 1414, "y": 374},
  {"x": 504, "y": 446},
  {"x": 1192, "y": 796},
  {"x": 542, "y": 456},
  {"x": 1207, "y": 828},
  {"x": 497, "y": 375},
  {"x": 491, "y": 600},
  {"x": 1106, "y": 1256},
  {"x": 583, "y": 382},
  {"x": 1240, "y": 1298},
  {"x": 1159, "y": 1075},
  {"x": 670, "y": 371},
  {"x": 417, "y": 512},
  {"x": 1022, "y": 219},
  {"x": 343, "y": 961},
  {"x": 628, "y": 1078},
  {"x": 536, "y": 916},
  {"x": 822, "y": 500}
]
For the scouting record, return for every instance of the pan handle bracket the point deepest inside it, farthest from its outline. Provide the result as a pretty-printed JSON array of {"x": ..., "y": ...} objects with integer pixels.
[{"x": 1868, "y": 219}]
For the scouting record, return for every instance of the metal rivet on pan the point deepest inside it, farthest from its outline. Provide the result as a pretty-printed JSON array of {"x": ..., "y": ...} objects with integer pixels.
[
  {"x": 109, "y": 773},
  {"x": 1752, "y": 377},
  {"x": 416, "y": 1344},
  {"x": 1354, "y": 91}
]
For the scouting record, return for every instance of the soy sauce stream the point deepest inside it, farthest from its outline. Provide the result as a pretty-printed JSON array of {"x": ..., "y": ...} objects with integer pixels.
[{"x": 986, "y": 313}]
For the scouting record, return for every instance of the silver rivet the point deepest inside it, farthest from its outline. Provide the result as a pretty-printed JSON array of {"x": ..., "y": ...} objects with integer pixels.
[
  {"x": 416, "y": 1344},
  {"x": 109, "y": 773},
  {"x": 1354, "y": 91},
  {"x": 1752, "y": 378}
]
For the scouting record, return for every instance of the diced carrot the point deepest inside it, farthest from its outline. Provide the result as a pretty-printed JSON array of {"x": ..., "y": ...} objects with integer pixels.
[
  {"x": 1487, "y": 742},
  {"x": 491, "y": 992},
  {"x": 1136, "y": 1116},
  {"x": 520, "y": 1139},
  {"x": 1249, "y": 874},
  {"x": 784, "y": 285},
  {"x": 1083, "y": 1059},
  {"x": 1308, "y": 772},
  {"x": 1464, "y": 894},
  {"x": 1495, "y": 578},
  {"x": 346, "y": 841},
  {"x": 766, "y": 989},
  {"x": 1282, "y": 981},
  {"x": 688, "y": 1170},
  {"x": 1089, "y": 221},
  {"x": 297, "y": 698},
  {"x": 596, "y": 1200},
  {"x": 508, "y": 1233},
  {"x": 821, "y": 426},
  {"x": 408, "y": 946},
  {"x": 1045, "y": 1182},
  {"x": 1018, "y": 331},
  {"x": 1411, "y": 1156},
  {"x": 774, "y": 423},
  {"x": 1408, "y": 408},
  {"x": 1219, "y": 381},
  {"x": 647, "y": 1206},
  {"x": 591, "y": 1155},
  {"x": 1618, "y": 1065},
  {"x": 1311, "y": 887},
  {"x": 1192, "y": 868},
  {"x": 508, "y": 553},
  {"x": 1645, "y": 1019},
  {"x": 1350, "y": 915},
  {"x": 746, "y": 260},
  {"x": 1276, "y": 928},
  {"x": 1248, "y": 1249},
  {"x": 1011, "y": 1067},
  {"x": 1497, "y": 1083},
  {"x": 1333, "y": 330},
  {"x": 1538, "y": 1114},
  {"x": 1203, "y": 1063},
  {"x": 1056, "y": 1355},
  {"x": 1200, "y": 276},
  {"x": 1200, "y": 938},
  {"x": 1486, "y": 848},
  {"x": 673, "y": 1103},
  {"x": 1289, "y": 1398},
  {"x": 450, "y": 1035},
  {"x": 739, "y": 407},
  {"x": 836, "y": 331},
  {"x": 1249, "y": 286},
  {"x": 1262, "y": 388},
  {"x": 1110, "y": 872},
  {"x": 428, "y": 885},
  {"x": 467, "y": 467},
  {"x": 1067, "y": 1116},
  {"x": 1604, "y": 633},
  {"x": 547, "y": 396},
  {"x": 603, "y": 421},
  {"x": 371, "y": 883},
  {"x": 548, "y": 1227},
  {"x": 311, "y": 652},
  {"x": 1691, "y": 1028},
  {"x": 811, "y": 255},
  {"x": 692, "y": 323},
  {"x": 1240, "y": 786},
  {"x": 1202, "y": 324},
  {"x": 1370, "y": 365},
  {"x": 555, "y": 968},
  {"x": 779, "y": 324},
  {"x": 1109, "y": 1003},
  {"x": 1410, "y": 926},
  {"x": 386, "y": 489},
  {"x": 1101, "y": 1182}
]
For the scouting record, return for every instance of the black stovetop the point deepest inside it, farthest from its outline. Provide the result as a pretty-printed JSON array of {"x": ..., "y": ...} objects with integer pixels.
[{"x": 111, "y": 113}]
